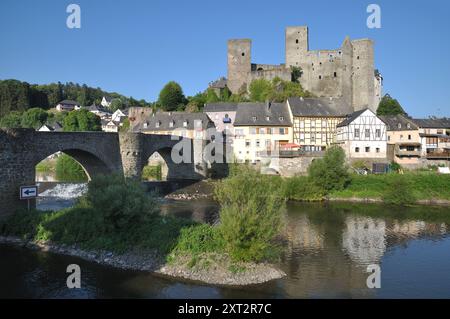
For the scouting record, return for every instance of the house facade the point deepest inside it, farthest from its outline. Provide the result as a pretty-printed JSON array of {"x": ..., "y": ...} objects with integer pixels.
[
  {"x": 67, "y": 106},
  {"x": 223, "y": 115},
  {"x": 363, "y": 136},
  {"x": 260, "y": 129},
  {"x": 403, "y": 141},
  {"x": 435, "y": 138},
  {"x": 315, "y": 121},
  {"x": 106, "y": 101}
]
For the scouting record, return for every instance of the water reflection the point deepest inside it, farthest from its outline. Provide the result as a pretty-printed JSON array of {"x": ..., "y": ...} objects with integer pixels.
[{"x": 327, "y": 251}]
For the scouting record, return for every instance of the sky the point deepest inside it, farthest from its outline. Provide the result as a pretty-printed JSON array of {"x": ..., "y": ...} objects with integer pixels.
[{"x": 134, "y": 47}]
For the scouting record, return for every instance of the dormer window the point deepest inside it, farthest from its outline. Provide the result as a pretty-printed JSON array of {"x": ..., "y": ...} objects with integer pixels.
[
  {"x": 171, "y": 123},
  {"x": 408, "y": 126},
  {"x": 145, "y": 124},
  {"x": 185, "y": 123},
  {"x": 198, "y": 123},
  {"x": 399, "y": 125},
  {"x": 158, "y": 123},
  {"x": 281, "y": 118},
  {"x": 254, "y": 118},
  {"x": 267, "y": 118}
]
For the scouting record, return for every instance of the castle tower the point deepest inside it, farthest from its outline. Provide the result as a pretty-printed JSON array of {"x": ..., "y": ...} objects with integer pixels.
[
  {"x": 363, "y": 75},
  {"x": 239, "y": 63},
  {"x": 297, "y": 45}
]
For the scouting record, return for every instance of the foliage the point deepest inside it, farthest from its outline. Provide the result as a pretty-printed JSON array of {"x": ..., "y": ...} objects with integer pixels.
[
  {"x": 82, "y": 120},
  {"x": 397, "y": 192},
  {"x": 116, "y": 104},
  {"x": 250, "y": 213},
  {"x": 276, "y": 90},
  {"x": 11, "y": 120},
  {"x": 296, "y": 73},
  {"x": 302, "y": 188},
  {"x": 34, "y": 118},
  {"x": 44, "y": 166},
  {"x": 20, "y": 96},
  {"x": 171, "y": 97},
  {"x": 125, "y": 125},
  {"x": 395, "y": 167},
  {"x": 389, "y": 106},
  {"x": 121, "y": 202},
  {"x": 330, "y": 173},
  {"x": 260, "y": 90},
  {"x": 152, "y": 172},
  {"x": 69, "y": 170},
  {"x": 360, "y": 164}
]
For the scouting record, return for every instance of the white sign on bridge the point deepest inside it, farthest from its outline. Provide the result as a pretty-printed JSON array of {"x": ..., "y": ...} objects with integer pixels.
[{"x": 28, "y": 192}]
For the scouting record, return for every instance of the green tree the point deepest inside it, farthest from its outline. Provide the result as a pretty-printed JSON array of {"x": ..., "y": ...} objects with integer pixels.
[
  {"x": 260, "y": 90},
  {"x": 11, "y": 120},
  {"x": 81, "y": 120},
  {"x": 125, "y": 125},
  {"x": 69, "y": 170},
  {"x": 296, "y": 73},
  {"x": 116, "y": 104},
  {"x": 389, "y": 106},
  {"x": 330, "y": 173},
  {"x": 34, "y": 118},
  {"x": 171, "y": 96}
]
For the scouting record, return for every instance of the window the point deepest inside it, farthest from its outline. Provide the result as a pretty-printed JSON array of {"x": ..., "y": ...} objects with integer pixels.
[
  {"x": 302, "y": 124},
  {"x": 313, "y": 138},
  {"x": 252, "y": 130},
  {"x": 378, "y": 150},
  {"x": 262, "y": 130},
  {"x": 254, "y": 118},
  {"x": 320, "y": 77},
  {"x": 257, "y": 143},
  {"x": 356, "y": 132},
  {"x": 158, "y": 123},
  {"x": 356, "y": 149},
  {"x": 324, "y": 124},
  {"x": 357, "y": 58},
  {"x": 267, "y": 118},
  {"x": 399, "y": 125},
  {"x": 401, "y": 137},
  {"x": 146, "y": 125},
  {"x": 440, "y": 132},
  {"x": 185, "y": 123},
  {"x": 243, "y": 54},
  {"x": 171, "y": 123},
  {"x": 367, "y": 149},
  {"x": 335, "y": 74},
  {"x": 408, "y": 125},
  {"x": 269, "y": 131},
  {"x": 239, "y": 132},
  {"x": 313, "y": 124},
  {"x": 378, "y": 132},
  {"x": 282, "y": 131},
  {"x": 302, "y": 137},
  {"x": 367, "y": 133},
  {"x": 409, "y": 137},
  {"x": 296, "y": 40},
  {"x": 247, "y": 143},
  {"x": 389, "y": 137},
  {"x": 281, "y": 118}
]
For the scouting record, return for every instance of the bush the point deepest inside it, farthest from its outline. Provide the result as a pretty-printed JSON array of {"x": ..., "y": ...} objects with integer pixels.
[
  {"x": 122, "y": 202},
  {"x": 302, "y": 188},
  {"x": 395, "y": 167},
  {"x": 330, "y": 173},
  {"x": 399, "y": 191},
  {"x": 69, "y": 170},
  {"x": 250, "y": 214},
  {"x": 152, "y": 173}
]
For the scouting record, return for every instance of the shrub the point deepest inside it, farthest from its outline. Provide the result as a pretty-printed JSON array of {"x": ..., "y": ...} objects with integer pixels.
[
  {"x": 302, "y": 188},
  {"x": 152, "y": 172},
  {"x": 122, "y": 202},
  {"x": 250, "y": 214},
  {"x": 330, "y": 173},
  {"x": 395, "y": 167},
  {"x": 69, "y": 170},
  {"x": 398, "y": 191}
]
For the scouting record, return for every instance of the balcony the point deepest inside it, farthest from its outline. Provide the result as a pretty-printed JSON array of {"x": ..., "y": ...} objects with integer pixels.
[{"x": 439, "y": 155}]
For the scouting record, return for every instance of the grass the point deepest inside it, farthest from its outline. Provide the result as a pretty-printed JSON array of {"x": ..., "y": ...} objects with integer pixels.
[{"x": 422, "y": 185}]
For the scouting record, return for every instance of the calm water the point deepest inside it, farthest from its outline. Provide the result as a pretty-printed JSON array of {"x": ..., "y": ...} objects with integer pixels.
[{"x": 328, "y": 250}]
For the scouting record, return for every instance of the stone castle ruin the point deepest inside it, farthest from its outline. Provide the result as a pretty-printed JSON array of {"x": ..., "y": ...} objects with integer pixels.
[{"x": 347, "y": 73}]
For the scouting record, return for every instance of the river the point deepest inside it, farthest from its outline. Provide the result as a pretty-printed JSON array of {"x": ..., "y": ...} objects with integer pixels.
[{"x": 328, "y": 250}]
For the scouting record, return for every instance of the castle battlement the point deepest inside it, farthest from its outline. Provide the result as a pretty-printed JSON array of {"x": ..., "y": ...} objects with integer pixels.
[{"x": 347, "y": 72}]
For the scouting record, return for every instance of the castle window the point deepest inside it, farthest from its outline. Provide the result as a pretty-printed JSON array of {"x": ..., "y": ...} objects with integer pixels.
[
  {"x": 335, "y": 74},
  {"x": 320, "y": 77},
  {"x": 340, "y": 52},
  {"x": 320, "y": 63},
  {"x": 296, "y": 41},
  {"x": 357, "y": 57},
  {"x": 243, "y": 54}
]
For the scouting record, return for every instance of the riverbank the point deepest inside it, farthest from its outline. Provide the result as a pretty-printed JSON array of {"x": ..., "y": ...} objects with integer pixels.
[{"x": 220, "y": 271}]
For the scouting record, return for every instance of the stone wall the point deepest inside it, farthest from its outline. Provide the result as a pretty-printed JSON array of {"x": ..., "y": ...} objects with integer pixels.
[{"x": 288, "y": 167}]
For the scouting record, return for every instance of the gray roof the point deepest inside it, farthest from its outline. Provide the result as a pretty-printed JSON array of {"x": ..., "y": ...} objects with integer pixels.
[
  {"x": 69, "y": 102},
  {"x": 398, "y": 123},
  {"x": 319, "y": 106},
  {"x": 432, "y": 123},
  {"x": 351, "y": 118},
  {"x": 220, "y": 107},
  {"x": 262, "y": 114},
  {"x": 178, "y": 118}
]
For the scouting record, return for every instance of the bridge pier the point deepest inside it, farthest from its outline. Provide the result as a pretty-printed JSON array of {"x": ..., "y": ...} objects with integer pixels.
[{"x": 131, "y": 153}]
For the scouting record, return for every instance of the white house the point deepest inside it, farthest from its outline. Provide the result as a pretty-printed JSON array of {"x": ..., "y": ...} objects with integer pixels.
[
  {"x": 363, "y": 136},
  {"x": 119, "y": 116},
  {"x": 110, "y": 126},
  {"x": 68, "y": 105},
  {"x": 106, "y": 101}
]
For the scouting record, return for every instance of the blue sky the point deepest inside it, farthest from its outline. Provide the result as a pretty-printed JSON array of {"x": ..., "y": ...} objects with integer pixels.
[{"x": 134, "y": 47}]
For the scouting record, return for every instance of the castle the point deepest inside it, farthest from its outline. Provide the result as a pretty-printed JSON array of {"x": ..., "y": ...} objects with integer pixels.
[{"x": 347, "y": 73}]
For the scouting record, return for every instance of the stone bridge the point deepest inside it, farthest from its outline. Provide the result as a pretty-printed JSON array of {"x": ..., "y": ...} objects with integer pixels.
[{"x": 97, "y": 152}]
